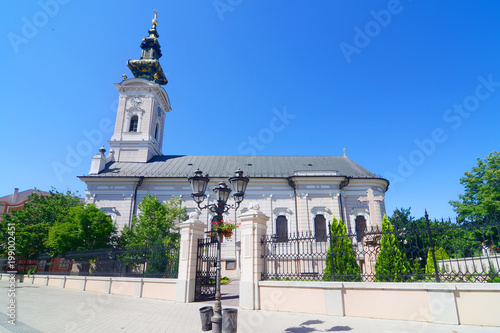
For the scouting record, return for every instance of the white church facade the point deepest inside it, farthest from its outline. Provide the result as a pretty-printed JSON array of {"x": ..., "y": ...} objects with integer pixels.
[{"x": 298, "y": 193}]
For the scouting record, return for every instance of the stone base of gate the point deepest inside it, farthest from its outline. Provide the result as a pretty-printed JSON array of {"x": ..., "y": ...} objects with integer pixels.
[
  {"x": 191, "y": 231},
  {"x": 253, "y": 228}
]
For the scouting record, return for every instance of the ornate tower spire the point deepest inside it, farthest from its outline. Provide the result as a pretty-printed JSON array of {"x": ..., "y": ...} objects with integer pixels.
[{"x": 148, "y": 67}]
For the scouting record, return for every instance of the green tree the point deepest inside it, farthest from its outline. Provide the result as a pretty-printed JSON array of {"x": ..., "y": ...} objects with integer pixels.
[
  {"x": 481, "y": 199},
  {"x": 345, "y": 267},
  {"x": 155, "y": 223},
  {"x": 401, "y": 218},
  {"x": 391, "y": 264},
  {"x": 33, "y": 221},
  {"x": 440, "y": 254},
  {"x": 158, "y": 261},
  {"x": 412, "y": 233},
  {"x": 84, "y": 228}
]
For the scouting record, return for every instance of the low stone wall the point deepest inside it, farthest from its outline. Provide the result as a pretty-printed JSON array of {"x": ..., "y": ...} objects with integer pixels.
[
  {"x": 443, "y": 303},
  {"x": 470, "y": 264},
  {"x": 137, "y": 287}
]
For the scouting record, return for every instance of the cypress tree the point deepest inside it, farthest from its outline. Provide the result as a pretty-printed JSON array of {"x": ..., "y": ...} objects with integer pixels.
[
  {"x": 345, "y": 267},
  {"x": 391, "y": 265},
  {"x": 440, "y": 254}
]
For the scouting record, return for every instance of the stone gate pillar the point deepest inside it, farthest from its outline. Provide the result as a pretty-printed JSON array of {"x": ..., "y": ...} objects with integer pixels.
[
  {"x": 252, "y": 229},
  {"x": 191, "y": 231}
]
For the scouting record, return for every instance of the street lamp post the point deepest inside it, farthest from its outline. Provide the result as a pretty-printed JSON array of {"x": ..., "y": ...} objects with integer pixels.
[{"x": 198, "y": 186}]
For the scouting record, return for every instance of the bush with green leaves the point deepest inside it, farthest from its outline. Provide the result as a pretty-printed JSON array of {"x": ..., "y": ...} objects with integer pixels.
[
  {"x": 440, "y": 254},
  {"x": 56, "y": 223},
  {"x": 342, "y": 255},
  {"x": 391, "y": 264},
  {"x": 493, "y": 276},
  {"x": 85, "y": 227}
]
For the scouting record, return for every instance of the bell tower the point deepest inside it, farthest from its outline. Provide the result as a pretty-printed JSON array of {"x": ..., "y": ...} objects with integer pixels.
[{"x": 142, "y": 106}]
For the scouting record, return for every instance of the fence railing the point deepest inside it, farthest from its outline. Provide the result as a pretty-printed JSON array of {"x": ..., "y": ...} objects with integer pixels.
[
  {"x": 445, "y": 252},
  {"x": 149, "y": 261}
]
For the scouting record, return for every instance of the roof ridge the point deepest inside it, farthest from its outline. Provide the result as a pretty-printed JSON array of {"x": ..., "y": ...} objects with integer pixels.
[{"x": 172, "y": 166}]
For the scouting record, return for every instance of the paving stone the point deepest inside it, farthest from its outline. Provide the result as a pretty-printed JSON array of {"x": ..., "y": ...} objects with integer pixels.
[{"x": 52, "y": 309}]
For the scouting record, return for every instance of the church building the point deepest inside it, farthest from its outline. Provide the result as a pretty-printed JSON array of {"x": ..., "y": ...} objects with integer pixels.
[{"x": 298, "y": 193}]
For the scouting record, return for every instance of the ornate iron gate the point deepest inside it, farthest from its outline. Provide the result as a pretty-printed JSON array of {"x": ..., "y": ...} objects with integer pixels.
[{"x": 206, "y": 262}]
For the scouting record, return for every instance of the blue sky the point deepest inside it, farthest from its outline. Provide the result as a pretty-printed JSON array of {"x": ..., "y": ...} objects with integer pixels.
[{"x": 411, "y": 89}]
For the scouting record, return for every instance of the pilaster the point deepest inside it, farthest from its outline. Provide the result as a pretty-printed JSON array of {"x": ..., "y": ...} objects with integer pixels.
[
  {"x": 253, "y": 228},
  {"x": 191, "y": 231},
  {"x": 443, "y": 305}
]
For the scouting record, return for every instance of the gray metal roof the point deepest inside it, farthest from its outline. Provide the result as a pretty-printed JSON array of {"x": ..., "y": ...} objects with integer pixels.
[{"x": 172, "y": 166}]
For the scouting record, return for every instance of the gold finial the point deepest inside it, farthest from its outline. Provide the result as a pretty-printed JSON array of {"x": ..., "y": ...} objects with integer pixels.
[
  {"x": 155, "y": 23},
  {"x": 344, "y": 152},
  {"x": 124, "y": 76}
]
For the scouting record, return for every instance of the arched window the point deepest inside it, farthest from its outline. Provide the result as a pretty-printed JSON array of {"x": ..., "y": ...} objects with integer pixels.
[
  {"x": 157, "y": 132},
  {"x": 320, "y": 228},
  {"x": 134, "y": 121},
  {"x": 360, "y": 228},
  {"x": 281, "y": 229}
]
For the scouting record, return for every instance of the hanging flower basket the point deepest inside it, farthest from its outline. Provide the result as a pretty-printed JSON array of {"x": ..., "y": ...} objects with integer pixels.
[{"x": 225, "y": 228}]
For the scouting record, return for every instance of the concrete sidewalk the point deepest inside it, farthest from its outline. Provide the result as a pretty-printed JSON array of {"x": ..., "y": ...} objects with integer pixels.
[{"x": 50, "y": 309}]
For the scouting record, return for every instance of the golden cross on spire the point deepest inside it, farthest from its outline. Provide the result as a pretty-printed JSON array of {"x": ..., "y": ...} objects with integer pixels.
[
  {"x": 155, "y": 23},
  {"x": 344, "y": 152}
]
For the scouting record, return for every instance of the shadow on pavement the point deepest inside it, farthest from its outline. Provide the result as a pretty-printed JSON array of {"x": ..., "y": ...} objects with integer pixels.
[{"x": 304, "y": 327}]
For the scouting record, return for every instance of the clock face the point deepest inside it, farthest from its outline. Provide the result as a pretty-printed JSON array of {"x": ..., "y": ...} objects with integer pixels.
[
  {"x": 136, "y": 101},
  {"x": 159, "y": 112}
]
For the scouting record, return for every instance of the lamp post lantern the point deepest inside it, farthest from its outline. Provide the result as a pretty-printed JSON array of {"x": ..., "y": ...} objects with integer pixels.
[{"x": 222, "y": 191}]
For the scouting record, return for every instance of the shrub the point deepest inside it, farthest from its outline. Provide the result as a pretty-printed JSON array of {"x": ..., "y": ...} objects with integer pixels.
[
  {"x": 345, "y": 267},
  {"x": 493, "y": 274},
  {"x": 391, "y": 265},
  {"x": 440, "y": 254}
]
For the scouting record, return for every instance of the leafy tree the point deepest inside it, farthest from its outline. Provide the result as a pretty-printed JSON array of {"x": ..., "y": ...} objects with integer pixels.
[
  {"x": 158, "y": 261},
  {"x": 33, "y": 221},
  {"x": 345, "y": 266},
  {"x": 481, "y": 199},
  {"x": 156, "y": 223},
  {"x": 391, "y": 265},
  {"x": 401, "y": 218},
  {"x": 85, "y": 228},
  {"x": 413, "y": 235}
]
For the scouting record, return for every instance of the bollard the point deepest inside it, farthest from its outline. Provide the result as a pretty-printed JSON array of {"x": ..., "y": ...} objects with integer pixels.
[
  {"x": 229, "y": 320},
  {"x": 206, "y": 314}
]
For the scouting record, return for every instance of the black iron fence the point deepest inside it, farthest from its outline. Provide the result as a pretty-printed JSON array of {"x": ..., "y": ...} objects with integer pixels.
[
  {"x": 206, "y": 269},
  {"x": 434, "y": 252},
  {"x": 149, "y": 261}
]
